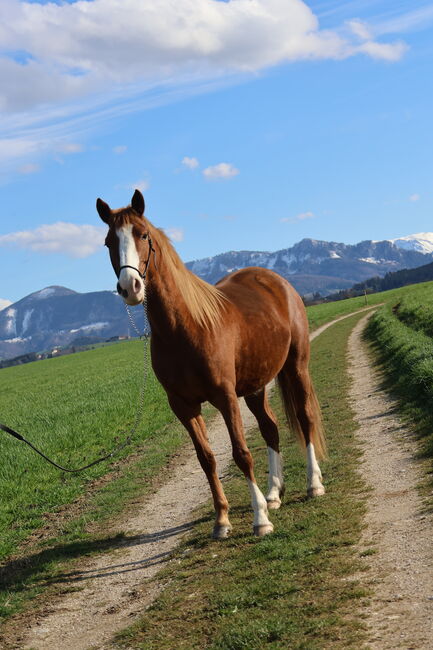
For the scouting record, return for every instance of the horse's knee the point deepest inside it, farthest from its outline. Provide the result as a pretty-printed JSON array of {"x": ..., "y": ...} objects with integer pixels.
[
  {"x": 243, "y": 459},
  {"x": 207, "y": 460}
]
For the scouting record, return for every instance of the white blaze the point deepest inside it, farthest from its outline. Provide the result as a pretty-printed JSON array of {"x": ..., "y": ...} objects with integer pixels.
[
  {"x": 127, "y": 251},
  {"x": 128, "y": 256}
]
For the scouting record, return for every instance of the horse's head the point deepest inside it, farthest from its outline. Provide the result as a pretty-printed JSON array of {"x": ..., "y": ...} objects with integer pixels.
[{"x": 130, "y": 246}]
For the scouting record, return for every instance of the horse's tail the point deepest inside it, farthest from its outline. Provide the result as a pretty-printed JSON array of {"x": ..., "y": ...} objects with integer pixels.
[{"x": 309, "y": 405}]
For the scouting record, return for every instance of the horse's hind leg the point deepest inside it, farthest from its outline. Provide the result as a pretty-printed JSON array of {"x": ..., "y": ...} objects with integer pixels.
[
  {"x": 303, "y": 413},
  {"x": 229, "y": 407},
  {"x": 191, "y": 418},
  {"x": 259, "y": 406}
]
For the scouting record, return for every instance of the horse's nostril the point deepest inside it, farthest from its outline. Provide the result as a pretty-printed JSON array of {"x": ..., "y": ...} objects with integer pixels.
[
  {"x": 137, "y": 285},
  {"x": 121, "y": 292}
]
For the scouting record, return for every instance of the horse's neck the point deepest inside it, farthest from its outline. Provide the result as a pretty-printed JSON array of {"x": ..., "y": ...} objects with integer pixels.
[{"x": 167, "y": 311}]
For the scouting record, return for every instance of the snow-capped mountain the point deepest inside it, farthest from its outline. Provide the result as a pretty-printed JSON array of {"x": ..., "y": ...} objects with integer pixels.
[
  {"x": 312, "y": 265},
  {"x": 56, "y": 316},
  {"x": 421, "y": 242}
]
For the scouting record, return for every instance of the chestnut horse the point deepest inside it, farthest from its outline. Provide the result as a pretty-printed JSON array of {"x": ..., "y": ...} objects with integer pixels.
[{"x": 218, "y": 343}]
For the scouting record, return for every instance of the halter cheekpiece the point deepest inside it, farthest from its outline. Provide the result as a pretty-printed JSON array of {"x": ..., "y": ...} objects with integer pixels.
[{"x": 146, "y": 264}]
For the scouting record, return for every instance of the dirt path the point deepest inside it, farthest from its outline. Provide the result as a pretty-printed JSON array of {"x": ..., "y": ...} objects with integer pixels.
[{"x": 400, "y": 614}]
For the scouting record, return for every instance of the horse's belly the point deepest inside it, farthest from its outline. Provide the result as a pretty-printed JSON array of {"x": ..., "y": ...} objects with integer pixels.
[{"x": 256, "y": 369}]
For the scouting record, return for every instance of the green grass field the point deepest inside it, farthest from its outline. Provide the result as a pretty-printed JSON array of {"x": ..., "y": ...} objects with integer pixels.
[
  {"x": 73, "y": 408},
  {"x": 320, "y": 314}
]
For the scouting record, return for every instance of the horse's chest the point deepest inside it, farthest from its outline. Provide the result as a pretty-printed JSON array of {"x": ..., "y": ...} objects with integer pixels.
[{"x": 180, "y": 372}]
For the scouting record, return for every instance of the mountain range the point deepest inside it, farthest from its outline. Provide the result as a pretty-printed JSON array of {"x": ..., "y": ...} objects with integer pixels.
[
  {"x": 57, "y": 316},
  {"x": 324, "y": 267}
]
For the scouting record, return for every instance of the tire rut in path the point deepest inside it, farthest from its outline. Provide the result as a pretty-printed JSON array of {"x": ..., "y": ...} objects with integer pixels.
[{"x": 400, "y": 613}]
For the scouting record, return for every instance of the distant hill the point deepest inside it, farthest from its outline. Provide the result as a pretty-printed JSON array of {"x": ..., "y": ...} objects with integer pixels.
[
  {"x": 398, "y": 279},
  {"x": 57, "y": 316},
  {"x": 392, "y": 280}
]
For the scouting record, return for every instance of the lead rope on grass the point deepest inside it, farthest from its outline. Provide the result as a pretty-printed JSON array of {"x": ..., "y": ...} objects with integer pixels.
[{"x": 138, "y": 415}]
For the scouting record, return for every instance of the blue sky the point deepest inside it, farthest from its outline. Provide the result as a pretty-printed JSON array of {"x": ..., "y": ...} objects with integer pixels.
[{"x": 248, "y": 124}]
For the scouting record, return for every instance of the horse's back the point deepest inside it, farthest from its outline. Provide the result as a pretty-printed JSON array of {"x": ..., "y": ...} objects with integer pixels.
[{"x": 255, "y": 289}]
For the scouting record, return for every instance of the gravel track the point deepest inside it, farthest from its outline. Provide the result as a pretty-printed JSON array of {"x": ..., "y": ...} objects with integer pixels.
[{"x": 400, "y": 613}]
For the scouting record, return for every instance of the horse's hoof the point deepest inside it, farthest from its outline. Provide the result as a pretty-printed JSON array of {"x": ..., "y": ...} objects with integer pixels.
[
  {"x": 264, "y": 529},
  {"x": 221, "y": 532},
  {"x": 315, "y": 492},
  {"x": 273, "y": 504}
]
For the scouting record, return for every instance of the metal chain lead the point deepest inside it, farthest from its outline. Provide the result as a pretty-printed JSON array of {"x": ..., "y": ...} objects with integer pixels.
[{"x": 140, "y": 410}]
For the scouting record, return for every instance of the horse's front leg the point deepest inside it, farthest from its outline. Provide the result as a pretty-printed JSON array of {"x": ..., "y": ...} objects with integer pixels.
[
  {"x": 228, "y": 404},
  {"x": 191, "y": 418}
]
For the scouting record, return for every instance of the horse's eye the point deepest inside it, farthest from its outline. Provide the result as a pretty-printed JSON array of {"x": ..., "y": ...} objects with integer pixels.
[{"x": 144, "y": 236}]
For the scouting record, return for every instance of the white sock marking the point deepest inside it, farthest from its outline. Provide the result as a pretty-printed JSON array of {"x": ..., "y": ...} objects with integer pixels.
[
  {"x": 275, "y": 480},
  {"x": 314, "y": 475},
  {"x": 259, "y": 504}
]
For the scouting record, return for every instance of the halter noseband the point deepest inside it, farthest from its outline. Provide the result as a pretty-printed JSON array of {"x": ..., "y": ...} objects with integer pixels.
[{"x": 146, "y": 264}]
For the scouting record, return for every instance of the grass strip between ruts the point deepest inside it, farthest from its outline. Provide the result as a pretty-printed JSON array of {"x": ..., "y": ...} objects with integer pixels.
[
  {"x": 294, "y": 588},
  {"x": 405, "y": 351}
]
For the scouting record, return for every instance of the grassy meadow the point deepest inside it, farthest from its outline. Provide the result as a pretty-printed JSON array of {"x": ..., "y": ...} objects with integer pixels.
[
  {"x": 320, "y": 314},
  {"x": 74, "y": 408}
]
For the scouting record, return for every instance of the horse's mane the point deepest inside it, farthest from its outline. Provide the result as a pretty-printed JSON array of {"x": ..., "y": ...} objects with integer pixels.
[{"x": 204, "y": 302}]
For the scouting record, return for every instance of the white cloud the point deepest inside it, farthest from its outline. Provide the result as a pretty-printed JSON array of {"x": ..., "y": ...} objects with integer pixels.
[
  {"x": 70, "y": 147},
  {"x": 65, "y": 238},
  {"x": 222, "y": 170},
  {"x": 390, "y": 52},
  {"x": 360, "y": 29},
  {"x": 190, "y": 163},
  {"x": 29, "y": 168},
  {"x": 176, "y": 234},
  {"x": 120, "y": 149},
  {"x": 71, "y": 46},
  {"x": 4, "y": 303},
  {"x": 299, "y": 217},
  {"x": 406, "y": 22},
  {"x": 414, "y": 197},
  {"x": 142, "y": 185},
  {"x": 82, "y": 63}
]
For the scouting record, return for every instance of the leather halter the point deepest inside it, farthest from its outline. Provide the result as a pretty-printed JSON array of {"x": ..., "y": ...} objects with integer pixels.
[{"x": 146, "y": 264}]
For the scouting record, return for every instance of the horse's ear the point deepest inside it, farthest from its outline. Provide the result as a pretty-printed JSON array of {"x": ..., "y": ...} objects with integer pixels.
[
  {"x": 137, "y": 203},
  {"x": 104, "y": 210}
]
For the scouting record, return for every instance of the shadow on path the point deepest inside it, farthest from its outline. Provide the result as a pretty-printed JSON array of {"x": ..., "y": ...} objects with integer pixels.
[{"x": 16, "y": 573}]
